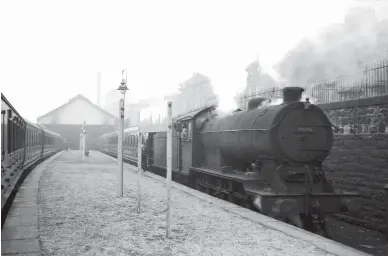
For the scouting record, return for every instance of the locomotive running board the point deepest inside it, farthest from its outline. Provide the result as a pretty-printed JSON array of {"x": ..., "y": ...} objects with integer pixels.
[
  {"x": 233, "y": 176},
  {"x": 255, "y": 189}
]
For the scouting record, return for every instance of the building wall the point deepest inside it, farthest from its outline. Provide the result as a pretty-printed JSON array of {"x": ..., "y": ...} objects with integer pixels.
[
  {"x": 72, "y": 134},
  {"x": 76, "y": 113},
  {"x": 371, "y": 113},
  {"x": 359, "y": 162}
]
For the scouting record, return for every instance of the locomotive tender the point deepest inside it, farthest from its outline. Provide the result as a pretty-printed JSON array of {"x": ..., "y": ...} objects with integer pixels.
[
  {"x": 267, "y": 158},
  {"x": 23, "y": 145}
]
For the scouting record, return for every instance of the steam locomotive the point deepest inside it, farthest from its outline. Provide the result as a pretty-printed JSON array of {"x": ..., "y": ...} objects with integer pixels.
[
  {"x": 267, "y": 158},
  {"x": 23, "y": 145}
]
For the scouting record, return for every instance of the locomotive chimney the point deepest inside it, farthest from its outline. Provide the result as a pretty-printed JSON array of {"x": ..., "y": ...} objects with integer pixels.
[
  {"x": 255, "y": 102},
  {"x": 292, "y": 94}
]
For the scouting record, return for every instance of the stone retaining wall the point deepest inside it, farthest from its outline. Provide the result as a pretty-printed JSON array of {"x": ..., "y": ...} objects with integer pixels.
[{"x": 359, "y": 158}]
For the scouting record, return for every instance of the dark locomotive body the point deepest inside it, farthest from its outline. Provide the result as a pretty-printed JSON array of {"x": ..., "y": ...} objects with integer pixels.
[{"x": 267, "y": 158}]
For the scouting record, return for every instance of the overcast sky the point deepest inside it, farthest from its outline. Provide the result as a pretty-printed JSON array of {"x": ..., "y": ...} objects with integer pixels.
[{"x": 51, "y": 51}]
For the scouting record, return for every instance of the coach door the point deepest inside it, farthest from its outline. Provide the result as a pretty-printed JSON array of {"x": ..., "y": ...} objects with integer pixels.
[
  {"x": 150, "y": 149},
  {"x": 185, "y": 152}
]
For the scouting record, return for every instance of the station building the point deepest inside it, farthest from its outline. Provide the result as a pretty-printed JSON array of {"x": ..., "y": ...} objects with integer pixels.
[{"x": 68, "y": 119}]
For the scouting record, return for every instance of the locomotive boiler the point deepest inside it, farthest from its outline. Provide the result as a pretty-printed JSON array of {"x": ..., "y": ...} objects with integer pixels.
[{"x": 294, "y": 131}]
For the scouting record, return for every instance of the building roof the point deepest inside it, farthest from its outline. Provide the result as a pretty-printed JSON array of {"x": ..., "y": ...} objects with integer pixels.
[{"x": 78, "y": 97}]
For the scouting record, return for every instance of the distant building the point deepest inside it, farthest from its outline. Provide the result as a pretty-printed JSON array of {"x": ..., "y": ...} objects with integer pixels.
[
  {"x": 196, "y": 92},
  {"x": 68, "y": 119},
  {"x": 256, "y": 80},
  {"x": 257, "y": 83}
]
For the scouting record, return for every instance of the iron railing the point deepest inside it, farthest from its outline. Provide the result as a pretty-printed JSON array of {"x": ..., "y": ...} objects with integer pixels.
[{"x": 370, "y": 82}]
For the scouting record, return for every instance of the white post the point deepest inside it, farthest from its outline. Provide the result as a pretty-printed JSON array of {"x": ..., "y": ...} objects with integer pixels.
[
  {"x": 120, "y": 149},
  {"x": 139, "y": 159},
  {"x": 83, "y": 147},
  {"x": 169, "y": 163}
]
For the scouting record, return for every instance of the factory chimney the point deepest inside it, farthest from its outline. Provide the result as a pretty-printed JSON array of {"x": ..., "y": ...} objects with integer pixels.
[{"x": 99, "y": 89}]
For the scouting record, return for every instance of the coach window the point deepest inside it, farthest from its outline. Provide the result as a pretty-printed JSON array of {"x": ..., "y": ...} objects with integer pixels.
[{"x": 137, "y": 140}]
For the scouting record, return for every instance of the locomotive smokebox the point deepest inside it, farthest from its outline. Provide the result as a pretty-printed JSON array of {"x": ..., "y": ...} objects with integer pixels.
[{"x": 292, "y": 94}]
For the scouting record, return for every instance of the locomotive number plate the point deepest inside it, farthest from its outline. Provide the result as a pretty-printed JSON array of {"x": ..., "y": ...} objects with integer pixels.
[{"x": 305, "y": 129}]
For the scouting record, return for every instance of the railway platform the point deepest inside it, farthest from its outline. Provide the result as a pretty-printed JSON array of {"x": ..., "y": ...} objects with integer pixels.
[{"x": 69, "y": 207}]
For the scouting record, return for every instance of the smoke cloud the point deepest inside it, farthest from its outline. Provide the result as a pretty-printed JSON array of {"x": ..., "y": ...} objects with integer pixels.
[{"x": 338, "y": 49}]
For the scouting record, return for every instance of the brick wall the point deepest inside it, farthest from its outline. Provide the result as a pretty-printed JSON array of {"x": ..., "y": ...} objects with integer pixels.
[
  {"x": 362, "y": 116},
  {"x": 359, "y": 161},
  {"x": 360, "y": 164}
]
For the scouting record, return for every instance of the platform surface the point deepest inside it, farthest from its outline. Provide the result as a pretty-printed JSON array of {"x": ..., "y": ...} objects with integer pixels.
[{"x": 70, "y": 207}]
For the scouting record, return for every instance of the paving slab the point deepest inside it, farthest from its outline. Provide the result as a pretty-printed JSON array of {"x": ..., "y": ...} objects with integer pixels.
[
  {"x": 24, "y": 204},
  {"x": 27, "y": 254},
  {"x": 26, "y": 196},
  {"x": 18, "y": 232},
  {"x": 20, "y": 246},
  {"x": 27, "y": 211},
  {"x": 21, "y": 220}
]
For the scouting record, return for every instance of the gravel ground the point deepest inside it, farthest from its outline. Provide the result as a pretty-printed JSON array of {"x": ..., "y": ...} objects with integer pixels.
[{"x": 79, "y": 214}]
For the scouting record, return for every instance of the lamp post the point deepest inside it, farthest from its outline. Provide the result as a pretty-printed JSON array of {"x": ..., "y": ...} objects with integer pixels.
[{"x": 123, "y": 89}]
